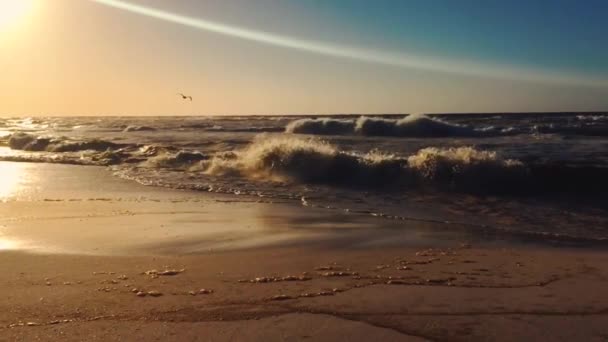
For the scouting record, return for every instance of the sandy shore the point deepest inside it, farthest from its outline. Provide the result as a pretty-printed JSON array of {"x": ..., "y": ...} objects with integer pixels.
[
  {"x": 112, "y": 261},
  {"x": 299, "y": 293}
]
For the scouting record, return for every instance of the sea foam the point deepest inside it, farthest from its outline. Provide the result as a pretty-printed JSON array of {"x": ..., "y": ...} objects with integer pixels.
[
  {"x": 412, "y": 126},
  {"x": 305, "y": 160},
  {"x": 28, "y": 142},
  {"x": 324, "y": 126},
  {"x": 313, "y": 160},
  {"x": 417, "y": 125},
  {"x": 134, "y": 128},
  {"x": 468, "y": 169},
  {"x": 179, "y": 160}
]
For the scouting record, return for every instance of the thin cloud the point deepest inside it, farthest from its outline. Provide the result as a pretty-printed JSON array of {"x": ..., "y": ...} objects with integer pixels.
[{"x": 409, "y": 61}]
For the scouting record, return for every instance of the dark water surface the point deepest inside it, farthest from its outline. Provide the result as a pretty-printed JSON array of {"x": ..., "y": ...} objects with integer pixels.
[{"x": 543, "y": 176}]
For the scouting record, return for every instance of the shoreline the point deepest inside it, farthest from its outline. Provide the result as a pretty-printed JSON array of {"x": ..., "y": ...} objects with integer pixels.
[{"x": 154, "y": 220}]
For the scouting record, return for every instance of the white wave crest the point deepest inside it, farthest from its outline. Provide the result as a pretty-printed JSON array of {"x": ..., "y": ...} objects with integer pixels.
[
  {"x": 410, "y": 126},
  {"x": 313, "y": 160}
]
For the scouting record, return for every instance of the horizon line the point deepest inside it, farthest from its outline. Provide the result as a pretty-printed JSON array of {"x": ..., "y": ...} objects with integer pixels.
[{"x": 590, "y": 112}]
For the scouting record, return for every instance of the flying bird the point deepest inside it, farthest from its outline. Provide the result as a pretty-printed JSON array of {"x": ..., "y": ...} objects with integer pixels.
[{"x": 185, "y": 97}]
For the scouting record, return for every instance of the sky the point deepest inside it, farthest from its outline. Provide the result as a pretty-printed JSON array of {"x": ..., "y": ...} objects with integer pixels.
[{"x": 238, "y": 57}]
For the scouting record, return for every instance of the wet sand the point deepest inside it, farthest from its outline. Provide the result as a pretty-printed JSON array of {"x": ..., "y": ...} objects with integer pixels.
[
  {"x": 113, "y": 261},
  {"x": 298, "y": 293},
  {"x": 66, "y": 209}
]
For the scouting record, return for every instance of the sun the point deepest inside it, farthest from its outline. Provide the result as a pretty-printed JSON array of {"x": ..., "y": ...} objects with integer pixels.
[{"x": 13, "y": 11}]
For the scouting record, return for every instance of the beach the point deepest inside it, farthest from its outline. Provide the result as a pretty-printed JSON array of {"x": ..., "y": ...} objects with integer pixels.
[
  {"x": 89, "y": 256},
  {"x": 303, "y": 170}
]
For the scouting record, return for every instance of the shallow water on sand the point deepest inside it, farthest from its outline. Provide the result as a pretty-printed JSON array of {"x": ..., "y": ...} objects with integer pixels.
[{"x": 70, "y": 209}]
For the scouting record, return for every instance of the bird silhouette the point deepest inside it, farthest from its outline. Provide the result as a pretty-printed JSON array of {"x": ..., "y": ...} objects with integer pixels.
[{"x": 185, "y": 97}]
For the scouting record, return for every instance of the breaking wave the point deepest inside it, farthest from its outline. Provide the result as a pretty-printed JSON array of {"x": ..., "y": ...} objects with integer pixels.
[
  {"x": 324, "y": 126},
  {"x": 411, "y": 126},
  {"x": 139, "y": 129},
  {"x": 469, "y": 169},
  {"x": 305, "y": 160},
  {"x": 301, "y": 160},
  {"x": 598, "y": 117},
  {"x": 179, "y": 160},
  {"x": 28, "y": 142},
  {"x": 313, "y": 160}
]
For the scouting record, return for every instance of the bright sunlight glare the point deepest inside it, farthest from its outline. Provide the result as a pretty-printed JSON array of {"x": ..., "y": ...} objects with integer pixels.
[
  {"x": 10, "y": 180},
  {"x": 13, "y": 11}
]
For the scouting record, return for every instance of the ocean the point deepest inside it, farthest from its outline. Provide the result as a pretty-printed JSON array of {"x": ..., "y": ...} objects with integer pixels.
[{"x": 538, "y": 176}]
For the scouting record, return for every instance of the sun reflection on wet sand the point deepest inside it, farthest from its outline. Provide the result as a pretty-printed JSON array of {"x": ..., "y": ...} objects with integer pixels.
[
  {"x": 7, "y": 245},
  {"x": 11, "y": 177}
]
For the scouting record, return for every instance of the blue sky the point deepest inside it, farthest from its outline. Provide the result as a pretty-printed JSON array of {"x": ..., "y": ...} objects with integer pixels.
[
  {"x": 560, "y": 34},
  {"x": 556, "y": 35}
]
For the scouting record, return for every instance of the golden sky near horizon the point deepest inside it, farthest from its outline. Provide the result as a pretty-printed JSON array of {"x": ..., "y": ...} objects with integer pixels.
[{"x": 78, "y": 57}]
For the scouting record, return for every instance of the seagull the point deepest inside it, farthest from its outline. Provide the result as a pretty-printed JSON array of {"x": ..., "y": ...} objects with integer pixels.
[{"x": 185, "y": 97}]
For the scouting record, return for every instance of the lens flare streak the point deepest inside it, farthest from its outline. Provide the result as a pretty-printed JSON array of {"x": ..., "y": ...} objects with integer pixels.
[{"x": 410, "y": 61}]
